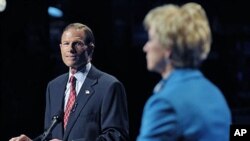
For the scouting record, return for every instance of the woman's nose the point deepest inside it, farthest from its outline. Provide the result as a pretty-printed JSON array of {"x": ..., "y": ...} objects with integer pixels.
[{"x": 145, "y": 47}]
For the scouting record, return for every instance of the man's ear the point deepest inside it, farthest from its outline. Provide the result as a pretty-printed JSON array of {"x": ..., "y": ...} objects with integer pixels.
[
  {"x": 90, "y": 48},
  {"x": 91, "y": 44}
]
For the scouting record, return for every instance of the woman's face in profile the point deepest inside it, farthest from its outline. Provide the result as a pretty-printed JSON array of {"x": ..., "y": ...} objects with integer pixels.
[{"x": 156, "y": 53}]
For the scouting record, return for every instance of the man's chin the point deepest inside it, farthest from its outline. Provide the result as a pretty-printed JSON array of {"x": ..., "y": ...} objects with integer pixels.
[
  {"x": 75, "y": 66},
  {"x": 71, "y": 65}
]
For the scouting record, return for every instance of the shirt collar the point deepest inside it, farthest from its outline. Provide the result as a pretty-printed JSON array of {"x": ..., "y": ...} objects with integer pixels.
[{"x": 79, "y": 75}]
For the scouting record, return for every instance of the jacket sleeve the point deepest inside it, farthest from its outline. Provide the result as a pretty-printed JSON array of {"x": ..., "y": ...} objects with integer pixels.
[
  {"x": 114, "y": 115},
  {"x": 47, "y": 116},
  {"x": 159, "y": 121}
]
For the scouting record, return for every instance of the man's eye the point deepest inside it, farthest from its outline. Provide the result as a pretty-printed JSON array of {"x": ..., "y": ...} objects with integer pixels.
[
  {"x": 65, "y": 44},
  {"x": 78, "y": 44}
]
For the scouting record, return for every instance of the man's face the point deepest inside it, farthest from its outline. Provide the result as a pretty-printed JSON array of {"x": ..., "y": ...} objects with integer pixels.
[{"x": 73, "y": 49}]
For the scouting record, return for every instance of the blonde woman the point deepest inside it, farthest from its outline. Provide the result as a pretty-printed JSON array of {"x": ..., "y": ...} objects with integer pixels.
[{"x": 185, "y": 105}]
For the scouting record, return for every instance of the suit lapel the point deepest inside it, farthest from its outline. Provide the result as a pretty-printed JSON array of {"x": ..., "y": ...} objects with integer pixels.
[{"x": 82, "y": 98}]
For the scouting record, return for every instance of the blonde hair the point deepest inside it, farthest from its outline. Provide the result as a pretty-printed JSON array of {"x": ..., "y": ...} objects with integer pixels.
[{"x": 184, "y": 29}]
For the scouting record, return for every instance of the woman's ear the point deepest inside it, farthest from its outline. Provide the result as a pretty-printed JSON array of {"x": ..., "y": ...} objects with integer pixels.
[{"x": 168, "y": 53}]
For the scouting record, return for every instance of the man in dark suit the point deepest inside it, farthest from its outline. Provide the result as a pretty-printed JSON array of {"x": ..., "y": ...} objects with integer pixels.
[{"x": 99, "y": 108}]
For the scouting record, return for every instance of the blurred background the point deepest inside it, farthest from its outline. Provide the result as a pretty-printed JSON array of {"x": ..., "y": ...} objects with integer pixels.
[{"x": 30, "y": 57}]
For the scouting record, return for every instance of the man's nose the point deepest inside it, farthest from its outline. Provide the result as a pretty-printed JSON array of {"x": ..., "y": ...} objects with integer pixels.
[{"x": 73, "y": 47}]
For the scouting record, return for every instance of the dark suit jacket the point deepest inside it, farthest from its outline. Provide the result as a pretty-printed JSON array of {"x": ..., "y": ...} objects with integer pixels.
[{"x": 101, "y": 110}]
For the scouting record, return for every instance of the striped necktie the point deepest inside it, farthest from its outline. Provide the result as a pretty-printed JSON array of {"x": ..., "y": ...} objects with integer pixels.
[{"x": 71, "y": 100}]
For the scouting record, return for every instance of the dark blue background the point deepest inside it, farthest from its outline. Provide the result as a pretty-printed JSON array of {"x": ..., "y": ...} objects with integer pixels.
[{"x": 30, "y": 56}]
